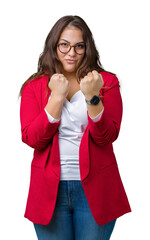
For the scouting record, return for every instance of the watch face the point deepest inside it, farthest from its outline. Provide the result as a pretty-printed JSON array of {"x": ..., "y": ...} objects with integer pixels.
[{"x": 95, "y": 100}]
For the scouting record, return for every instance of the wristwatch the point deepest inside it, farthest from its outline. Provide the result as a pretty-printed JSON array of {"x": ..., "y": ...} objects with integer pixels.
[{"x": 94, "y": 101}]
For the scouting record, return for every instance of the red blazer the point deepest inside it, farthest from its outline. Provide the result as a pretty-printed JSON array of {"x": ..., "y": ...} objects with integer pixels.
[{"x": 98, "y": 167}]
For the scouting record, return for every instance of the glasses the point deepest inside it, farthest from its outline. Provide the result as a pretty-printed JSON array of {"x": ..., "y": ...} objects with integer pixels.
[{"x": 79, "y": 48}]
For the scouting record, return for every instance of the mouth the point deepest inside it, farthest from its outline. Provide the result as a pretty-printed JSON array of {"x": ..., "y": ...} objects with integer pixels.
[{"x": 70, "y": 61}]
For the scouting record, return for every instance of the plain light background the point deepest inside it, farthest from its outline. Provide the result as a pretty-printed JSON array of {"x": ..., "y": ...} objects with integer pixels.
[{"x": 122, "y": 36}]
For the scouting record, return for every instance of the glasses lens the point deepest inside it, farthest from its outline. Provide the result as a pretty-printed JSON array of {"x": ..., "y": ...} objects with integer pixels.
[
  {"x": 80, "y": 48},
  {"x": 64, "y": 47}
]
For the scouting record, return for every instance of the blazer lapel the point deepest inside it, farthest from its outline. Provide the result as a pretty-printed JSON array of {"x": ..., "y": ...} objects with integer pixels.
[{"x": 84, "y": 156}]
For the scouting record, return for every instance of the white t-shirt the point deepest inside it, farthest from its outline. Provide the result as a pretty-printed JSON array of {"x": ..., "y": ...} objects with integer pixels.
[{"x": 74, "y": 120}]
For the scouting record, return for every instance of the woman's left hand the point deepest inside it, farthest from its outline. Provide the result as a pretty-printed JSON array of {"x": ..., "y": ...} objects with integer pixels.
[{"x": 91, "y": 84}]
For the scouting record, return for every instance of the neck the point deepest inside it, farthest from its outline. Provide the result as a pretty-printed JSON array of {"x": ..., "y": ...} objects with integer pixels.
[{"x": 70, "y": 76}]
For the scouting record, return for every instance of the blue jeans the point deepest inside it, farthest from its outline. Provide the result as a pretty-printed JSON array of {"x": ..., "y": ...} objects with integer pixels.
[{"x": 72, "y": 219}]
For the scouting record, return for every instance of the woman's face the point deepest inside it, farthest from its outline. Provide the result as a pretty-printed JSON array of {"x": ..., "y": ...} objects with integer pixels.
[{"x": 71, "y": 60}]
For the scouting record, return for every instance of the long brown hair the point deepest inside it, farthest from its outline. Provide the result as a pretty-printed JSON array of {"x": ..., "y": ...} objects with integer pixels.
[{"x": 49, "y": 63}]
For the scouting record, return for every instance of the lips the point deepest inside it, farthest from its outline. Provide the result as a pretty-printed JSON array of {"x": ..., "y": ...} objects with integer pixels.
[{"x": 70, "y": 61}]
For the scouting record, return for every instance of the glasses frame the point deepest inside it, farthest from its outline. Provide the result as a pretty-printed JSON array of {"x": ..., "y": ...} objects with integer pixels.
[{"x": 71, "y": 46}]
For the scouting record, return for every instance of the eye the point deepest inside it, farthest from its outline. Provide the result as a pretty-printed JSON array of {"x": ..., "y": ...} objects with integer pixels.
[
  {"x": 80, "y": 46},
  {"x": 65, "y": 45}
]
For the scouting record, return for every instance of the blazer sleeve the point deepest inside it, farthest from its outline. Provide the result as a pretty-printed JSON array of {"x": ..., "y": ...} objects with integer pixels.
[
  {"x": 106, "y": 130},
  {"x": 37, "y": 131}
]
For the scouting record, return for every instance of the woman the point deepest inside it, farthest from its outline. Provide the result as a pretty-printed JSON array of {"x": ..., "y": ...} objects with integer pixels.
[{"x": 71, "y": 112}]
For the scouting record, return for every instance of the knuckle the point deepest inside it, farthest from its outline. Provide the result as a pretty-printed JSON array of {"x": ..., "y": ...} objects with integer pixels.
[
  {"x": 89, "y": 74},
  {"x": 83, "y": 80}
]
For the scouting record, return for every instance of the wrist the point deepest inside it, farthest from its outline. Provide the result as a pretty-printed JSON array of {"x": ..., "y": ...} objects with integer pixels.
[
  {"x": 94, "y": 100},
  {"x": 89, "y": 96},
  {"x": 57, "y": 97},
  {"x": 94, "y": 110}
]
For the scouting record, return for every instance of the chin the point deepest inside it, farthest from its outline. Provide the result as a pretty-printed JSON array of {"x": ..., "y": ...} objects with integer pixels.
[{"x": 70, "y": 70}]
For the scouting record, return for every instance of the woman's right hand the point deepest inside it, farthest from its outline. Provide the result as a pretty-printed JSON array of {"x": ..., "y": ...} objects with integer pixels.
[{"x": 59, "y": 85}]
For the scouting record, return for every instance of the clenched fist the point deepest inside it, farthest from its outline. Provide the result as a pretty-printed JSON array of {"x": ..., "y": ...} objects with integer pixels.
[
  {"x": 59, "y": 85},
  {"x": 91, "y": 84}
]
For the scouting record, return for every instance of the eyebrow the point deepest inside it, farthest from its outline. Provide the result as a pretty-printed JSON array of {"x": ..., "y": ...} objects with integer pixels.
[{"x": 70, "y": 43}]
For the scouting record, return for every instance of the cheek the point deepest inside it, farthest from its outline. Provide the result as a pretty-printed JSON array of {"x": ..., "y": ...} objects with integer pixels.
[
  {"x": 80, "y": 59},
  {"x": 58, "y": 54}
]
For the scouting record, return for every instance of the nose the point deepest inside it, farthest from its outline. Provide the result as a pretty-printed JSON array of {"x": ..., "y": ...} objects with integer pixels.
[{"x": 72, "y": 51}]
